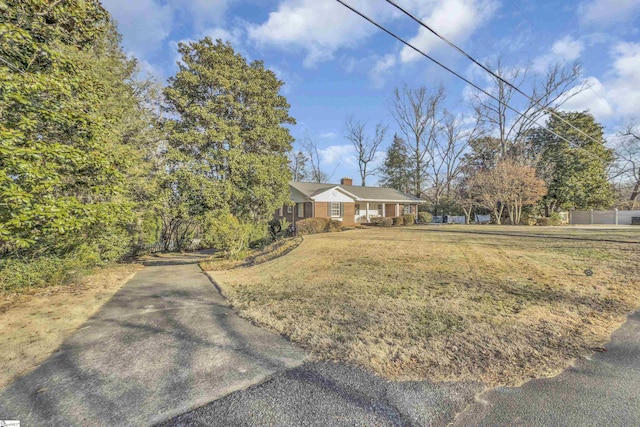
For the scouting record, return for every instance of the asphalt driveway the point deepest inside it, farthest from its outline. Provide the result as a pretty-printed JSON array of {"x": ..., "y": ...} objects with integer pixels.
[{"x": 166, "y": 343}]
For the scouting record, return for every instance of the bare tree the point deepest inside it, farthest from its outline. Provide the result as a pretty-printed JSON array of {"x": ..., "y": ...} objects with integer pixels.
[
  {"x": 416, "y": 113},
  {"x": 556, "y": 87},
  {"x": 463, "y": 194},
  {"x": 446, "y": 156},
  {"x": 313, "y": 156},
  {"x": 366, "y": 147},
  {"x": 628, "y": 162},
  {"x": 298, "y": 165}
]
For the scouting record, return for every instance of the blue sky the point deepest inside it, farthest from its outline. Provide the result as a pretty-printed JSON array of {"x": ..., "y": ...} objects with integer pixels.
[{"x": 336, "y": 64}]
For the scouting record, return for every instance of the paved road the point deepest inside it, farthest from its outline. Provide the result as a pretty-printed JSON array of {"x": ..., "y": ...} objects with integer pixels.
[
  {"x": 327, "y": 394},
  {"x": 167, "y": 342},
  {"x": 603, "y": 389}
]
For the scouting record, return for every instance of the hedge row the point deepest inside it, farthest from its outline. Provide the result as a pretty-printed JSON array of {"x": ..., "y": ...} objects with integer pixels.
[
  {"x": 318, "y": 225},
  {"x": 408, "y": 219}
]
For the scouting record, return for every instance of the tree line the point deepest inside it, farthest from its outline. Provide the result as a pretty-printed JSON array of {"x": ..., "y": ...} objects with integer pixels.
[
  {"x": 99, "y": 162},
  {"x": 514, "y": 163}
]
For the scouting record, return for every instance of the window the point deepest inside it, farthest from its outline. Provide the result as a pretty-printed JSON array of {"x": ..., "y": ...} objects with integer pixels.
[
  {"x": 336, "y": 208},
  {"x": 280, "y": 212},
  {"x": 300, "y": 210},
  {"x": 357, "y": 209},
  {"x": 380, "y": 213},
  {"x": 407, "y": 209},
  {"x": 289, "y": 209}
]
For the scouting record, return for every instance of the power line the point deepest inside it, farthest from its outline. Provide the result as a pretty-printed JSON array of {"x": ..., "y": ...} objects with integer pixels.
[
  {"x": 488, "y": 70},
  {"x": 400, "y": 39}
]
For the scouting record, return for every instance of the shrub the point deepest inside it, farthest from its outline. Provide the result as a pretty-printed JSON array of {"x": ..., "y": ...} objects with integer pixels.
[
  {"x": 398, "y": 220},
  {"x": 375, "y": 220},
  {"x": 424, "y": 217},
  {"x": 312, "y": 225},
  {"x": 229, "y": 235},
  {"x": 259, "y": 235},
  {"x": 548, "y": 221},
  {"x": 386, "y": 222},
  {"x": 409, "y": 219},
  {"x": 279, "y": 228},
  {"x": 335, "y": 225}
]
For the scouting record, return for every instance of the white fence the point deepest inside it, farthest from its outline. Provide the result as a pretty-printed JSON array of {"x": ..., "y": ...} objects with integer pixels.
[{"x": 614, "y": 217}]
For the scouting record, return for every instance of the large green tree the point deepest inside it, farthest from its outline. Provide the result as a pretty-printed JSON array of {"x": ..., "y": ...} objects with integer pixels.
[
  {"x": 227, "y": 135},
  {"x": 66, "y": 145},
  {"x": 574, "y": 167}
]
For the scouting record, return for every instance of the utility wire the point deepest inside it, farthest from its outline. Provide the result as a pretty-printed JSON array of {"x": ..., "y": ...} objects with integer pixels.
[
  {"x": 485, "y": 68},
  {"x": 400, "y": 39}
]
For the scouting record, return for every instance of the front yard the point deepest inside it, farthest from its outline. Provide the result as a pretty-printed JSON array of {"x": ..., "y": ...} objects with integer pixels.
[{"x": 495, "y": 304}]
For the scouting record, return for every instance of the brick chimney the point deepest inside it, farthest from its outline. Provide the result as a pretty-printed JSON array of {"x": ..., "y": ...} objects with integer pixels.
[{"x": 346, "y": 181}]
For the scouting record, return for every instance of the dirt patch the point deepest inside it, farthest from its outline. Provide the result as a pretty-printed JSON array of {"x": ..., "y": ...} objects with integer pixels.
[
  {"x": 33, "y": 324},
  {"x": 499, "y": 305}
]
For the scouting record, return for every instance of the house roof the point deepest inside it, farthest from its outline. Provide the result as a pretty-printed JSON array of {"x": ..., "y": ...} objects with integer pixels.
[{"x": 382, "y": 194}]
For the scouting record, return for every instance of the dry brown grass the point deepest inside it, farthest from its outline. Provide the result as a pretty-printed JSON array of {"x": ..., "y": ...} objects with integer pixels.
[
  {"x": 34, "y": 323},
  {"x": 495, "y": 304},
  {"x": 277, "y": 249}
]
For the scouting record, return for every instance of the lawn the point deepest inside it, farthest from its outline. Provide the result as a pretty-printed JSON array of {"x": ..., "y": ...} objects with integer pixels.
[
  {"x": 486, "y": 303},
  {"x": 34, "y": 323}
]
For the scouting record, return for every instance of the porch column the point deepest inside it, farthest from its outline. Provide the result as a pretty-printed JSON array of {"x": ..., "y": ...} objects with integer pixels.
[
  {"x": 397, "y": 209},
  {"x": 367, "y": 211}
]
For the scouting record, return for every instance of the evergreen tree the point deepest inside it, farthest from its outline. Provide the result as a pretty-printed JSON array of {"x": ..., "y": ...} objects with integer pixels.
[
  {"x": 228, "y": 143},
  {"x": 66, "y": 147},
  {"x": 575, "y": 171},
  {"x": 396, "y": 169}
]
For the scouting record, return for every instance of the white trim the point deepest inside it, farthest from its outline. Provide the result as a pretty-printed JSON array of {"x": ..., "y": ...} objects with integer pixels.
[
  {"x": 331, "y": 215},
  {"x": 335, "y": 194}
]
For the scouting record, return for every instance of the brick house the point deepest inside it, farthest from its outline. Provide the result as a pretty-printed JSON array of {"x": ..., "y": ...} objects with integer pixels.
[{"x": 345, "y": 202}]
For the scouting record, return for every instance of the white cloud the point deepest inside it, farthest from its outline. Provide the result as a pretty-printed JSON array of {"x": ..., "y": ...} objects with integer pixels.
[
  {"x": 625, "y": 84},
  {"x": 607, "y": 12},
  {"x": 594, "y": 99},
  {"x": 337, "y": 153},
  {"x": 617, "y": 95},
  {"x": 149, "y": 70},
  {"x": 234, "y": 36},
  {"x": 328, "y": 135},
  {"x": 454, "y": 19},
  {"x": 380, "y": 69},
  {"x": 202, "y": 13},
  {"x": 566, "y": 49},
  {"x": 144, "y": 24},
  {"x": 317, "y": 27}
]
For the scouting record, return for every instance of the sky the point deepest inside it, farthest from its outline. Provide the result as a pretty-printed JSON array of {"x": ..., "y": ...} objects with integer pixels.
[{"x": 335, "y": 64}]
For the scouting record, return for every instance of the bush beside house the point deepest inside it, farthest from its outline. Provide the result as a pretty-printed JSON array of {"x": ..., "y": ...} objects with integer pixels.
[
  {"x": 424, "y": 217},
  {"x": 312, "y": 225}
]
